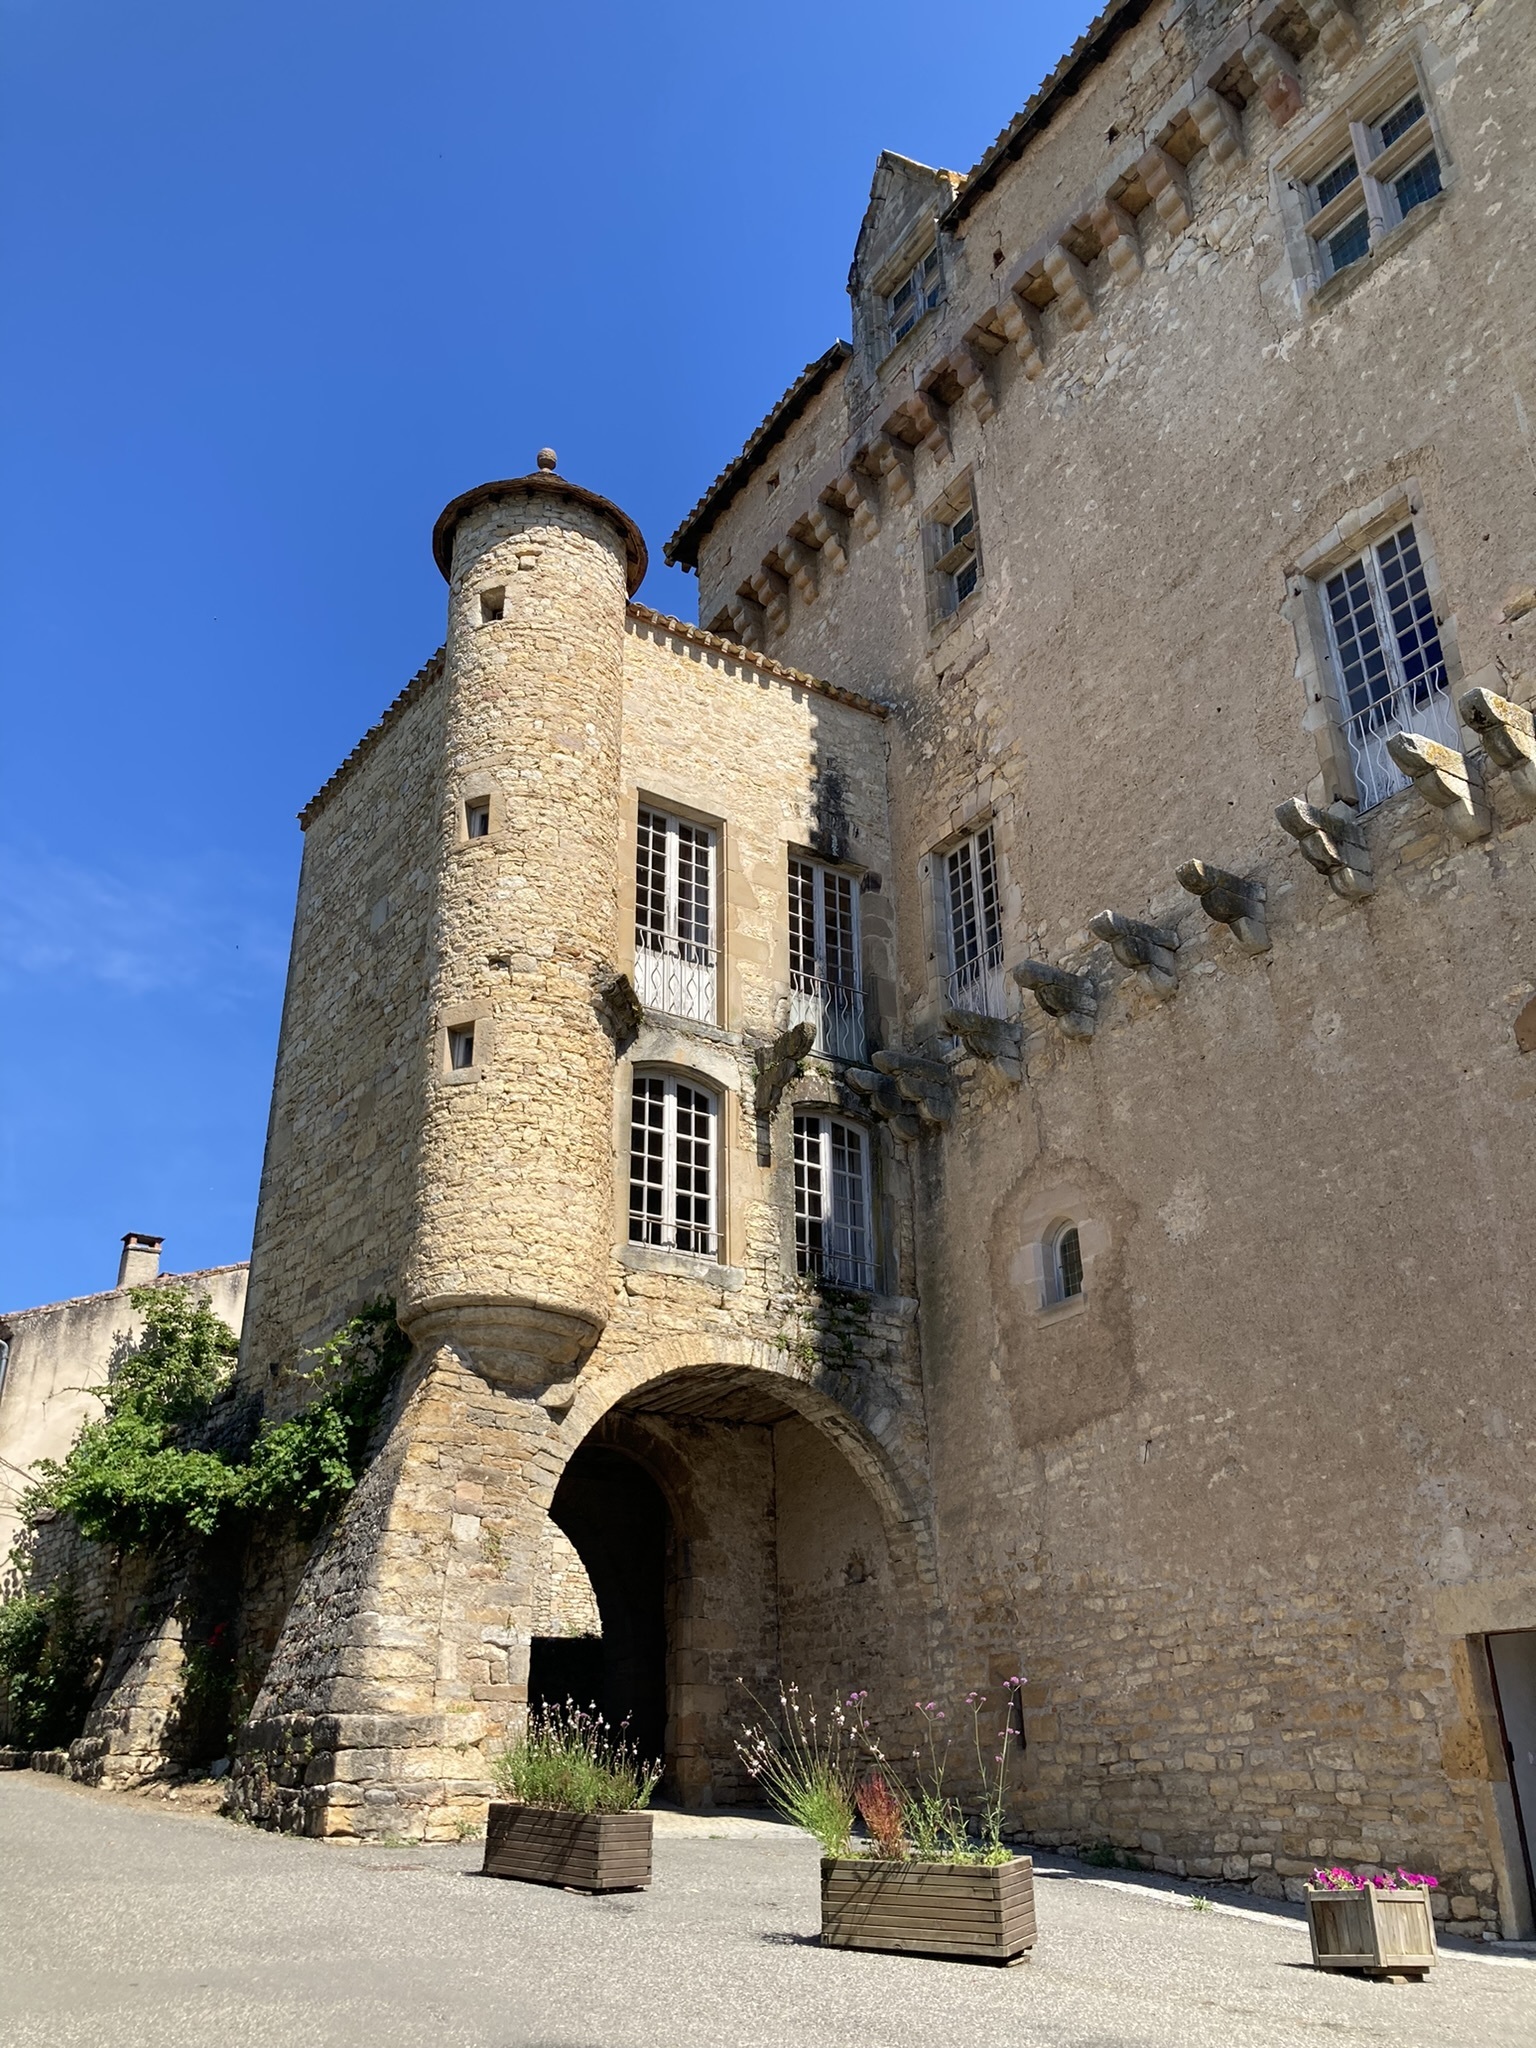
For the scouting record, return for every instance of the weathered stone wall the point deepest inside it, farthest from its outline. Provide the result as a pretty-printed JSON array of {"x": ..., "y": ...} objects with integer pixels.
[
  {"x": 338, "y": 1180},
  {"x": 1249, "y": 1507},
  {"x": 58, "y": 1355}
]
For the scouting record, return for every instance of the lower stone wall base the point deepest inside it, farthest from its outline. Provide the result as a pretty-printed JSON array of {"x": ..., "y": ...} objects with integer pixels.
[
  {"x": 416, "y": 1777},
  {"x": 1465, "y": 1902}
]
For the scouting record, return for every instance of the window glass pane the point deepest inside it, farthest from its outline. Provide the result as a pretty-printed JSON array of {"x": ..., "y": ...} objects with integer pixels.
[
  {"x": 802, "y": 918},
  {"x": 966, "y": 580},
  {"x": 965, "y": 943},
  {"x": 1400, "y": 121},
  {"x": 695, "y": 862},
  {"x": 1362, "y": 657},
  {"x": 986, "y": 868},
  {"x": 850, "y": 1222},
  {"x": 842, "y": 960},
  {"x": 651, "y": 879},
  {"x": 647, "y": 1160},
  {"x": 1413, "y": 616},
  {"x": 1069, "y": 1264},
  {"x": 695, "y": 1169},
  {"x": 1419, "y": 182},
  {"x": 1352, "y": 241},
  {"x": 963, "y": 526},
  {"x": 809, "y": 1194},
  {"x": 1333, "y": 182}
]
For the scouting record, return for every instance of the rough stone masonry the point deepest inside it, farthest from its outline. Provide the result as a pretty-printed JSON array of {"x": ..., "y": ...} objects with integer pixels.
[{"x": 975, "y": 1115}]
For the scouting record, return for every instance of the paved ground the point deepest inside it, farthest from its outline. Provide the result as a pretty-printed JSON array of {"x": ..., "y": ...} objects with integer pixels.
[{"x": 123, "y": 1924}]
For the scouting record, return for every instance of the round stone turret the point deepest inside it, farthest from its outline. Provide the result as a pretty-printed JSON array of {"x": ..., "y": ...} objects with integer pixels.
[{"x": 513, "y": 1221}]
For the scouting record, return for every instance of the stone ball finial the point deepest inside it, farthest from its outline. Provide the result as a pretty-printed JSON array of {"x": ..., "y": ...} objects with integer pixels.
[{"x": 546, "y": 458}]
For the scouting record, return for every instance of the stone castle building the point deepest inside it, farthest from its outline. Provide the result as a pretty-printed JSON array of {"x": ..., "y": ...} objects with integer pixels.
[{"x": 973, "y": 1116}]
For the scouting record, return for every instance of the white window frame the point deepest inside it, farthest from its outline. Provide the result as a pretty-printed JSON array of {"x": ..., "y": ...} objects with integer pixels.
[
  {"x": 834, "y": 1201},
  {"x": 1353, "y": 136},
  {"x": 826, "y": 974},
  {"x": 1392, "y": 676},
  {"x": 665, "y": 1213},
  {"x": 676, "y": 954},
  {"x": 924, "y": 284},
  {"x": 970, "y": 891}
]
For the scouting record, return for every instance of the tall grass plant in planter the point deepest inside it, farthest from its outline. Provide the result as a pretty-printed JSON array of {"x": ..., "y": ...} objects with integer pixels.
[
  {"x": 574, "y": 1812},
  {"x": 925, "y": 1877}
]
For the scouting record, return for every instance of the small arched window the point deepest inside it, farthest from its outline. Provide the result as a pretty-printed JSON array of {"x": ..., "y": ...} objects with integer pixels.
[{"x": 1063, "y": 1265}]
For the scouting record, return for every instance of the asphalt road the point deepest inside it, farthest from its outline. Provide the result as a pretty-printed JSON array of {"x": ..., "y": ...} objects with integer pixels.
[{"x": 123, "y": 1925}]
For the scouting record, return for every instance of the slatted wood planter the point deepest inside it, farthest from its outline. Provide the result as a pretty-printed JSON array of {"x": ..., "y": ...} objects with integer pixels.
[
  {"x": 591, "y": 1852},
  {"x": 1384, "y": 1933},
  {"x": 982, "y": 1910}
]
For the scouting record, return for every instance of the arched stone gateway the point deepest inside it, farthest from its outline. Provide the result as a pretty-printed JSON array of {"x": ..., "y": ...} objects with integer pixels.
[{"x": 736, "y": 1521}]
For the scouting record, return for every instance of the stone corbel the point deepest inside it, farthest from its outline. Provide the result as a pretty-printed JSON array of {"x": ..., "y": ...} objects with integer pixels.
[
  {"x": 1218, "y": 124},
  {"x": 1508, "y": 733},
  {"x": 970, "y": 374},
  {"x": 1274, "y": 73},
  {"x": 1148, "y": 948},
  {"x": 1118, "y": 239},
  {"x": 1237, "y": 901},
  {"x": 829, "y": 530},
  {"x": 1071, "y": 999},
  {"x": 619, "y": 1010},
  {"x": 779, "y": 1064},
  {"x": 988, "y": 1038},
  {"x": 1445, "y": 779},
  {"x": 860, "y": 497},
  {"x": 924, "y": 1084},
  {"x": 1336, "y": 26},
  {"x": 1021, "y": 324},
  {"x": 746, "y": 617},
  {"x": 891, "y": 461},
  {"x": 772, "y": 593},
  {"x": 1164, "y": 178},
  {"x": 800, "y": 566},
  {"x": 929, "y": 418},
  {"x": 1069, "y": 281},
  {"x": 883, "y": 1099},
  {"x": 1334, "y": 843}
]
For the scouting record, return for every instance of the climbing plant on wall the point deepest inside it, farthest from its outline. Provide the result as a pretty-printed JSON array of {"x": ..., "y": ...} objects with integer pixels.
[{"x": 139, "y": 1478}]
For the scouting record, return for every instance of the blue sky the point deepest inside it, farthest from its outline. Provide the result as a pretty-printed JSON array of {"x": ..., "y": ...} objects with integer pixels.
[{"x": 278, "y": 282}]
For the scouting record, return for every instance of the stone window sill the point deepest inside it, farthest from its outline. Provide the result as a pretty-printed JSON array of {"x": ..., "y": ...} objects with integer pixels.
[
  {"x": 647, "y": 1258},
  {"x": 1062, "y": 1311},
  {"x": 1324, "y": 297}
]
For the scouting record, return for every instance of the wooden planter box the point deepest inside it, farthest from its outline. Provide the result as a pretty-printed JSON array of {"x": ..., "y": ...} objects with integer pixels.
[
  {"x": 1384, "y": 1933},
  {"x": 591, "y": 1852},
  {"x": 982, "y": 1910}
]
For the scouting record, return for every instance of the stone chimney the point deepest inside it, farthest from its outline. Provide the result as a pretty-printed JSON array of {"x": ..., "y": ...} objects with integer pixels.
[{"x": 140, "y": 1262}]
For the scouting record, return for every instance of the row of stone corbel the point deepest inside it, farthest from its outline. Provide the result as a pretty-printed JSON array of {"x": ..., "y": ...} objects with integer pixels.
[
  {"x": 821, "y": 536},
  {"x": 1332, "y": 841}
]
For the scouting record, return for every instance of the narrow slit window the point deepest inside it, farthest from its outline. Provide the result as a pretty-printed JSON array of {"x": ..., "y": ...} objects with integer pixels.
[
  {"x": 493, "y": 604},
  {"x": 672, "y": 1165},
  {"x": 477, "y": 818},
  {"x": 461, "y": 1047},
  {"x": 833, "y": 1206}
]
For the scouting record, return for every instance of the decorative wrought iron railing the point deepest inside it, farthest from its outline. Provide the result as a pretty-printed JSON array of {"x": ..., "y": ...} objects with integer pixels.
[
  {"x": 676, "y": 978},
  {"x": 836, "y": 1011},
  {"x": 980, "y": 986},
  {"x": 841, "y": 1260},
  {"x": 1423, "y": 706}
]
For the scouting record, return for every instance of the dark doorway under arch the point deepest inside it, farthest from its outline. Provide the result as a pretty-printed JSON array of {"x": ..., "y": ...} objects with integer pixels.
[{"x": 616, "y": 1518}]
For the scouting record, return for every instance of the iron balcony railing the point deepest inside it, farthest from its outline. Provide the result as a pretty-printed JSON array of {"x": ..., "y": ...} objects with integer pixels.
[
  {"x": 980, "y": 986},
  {"x": 837, "y": 1012},
  {"x": 1423, "y": 706},
  {"x": 676, "y": 977}
]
